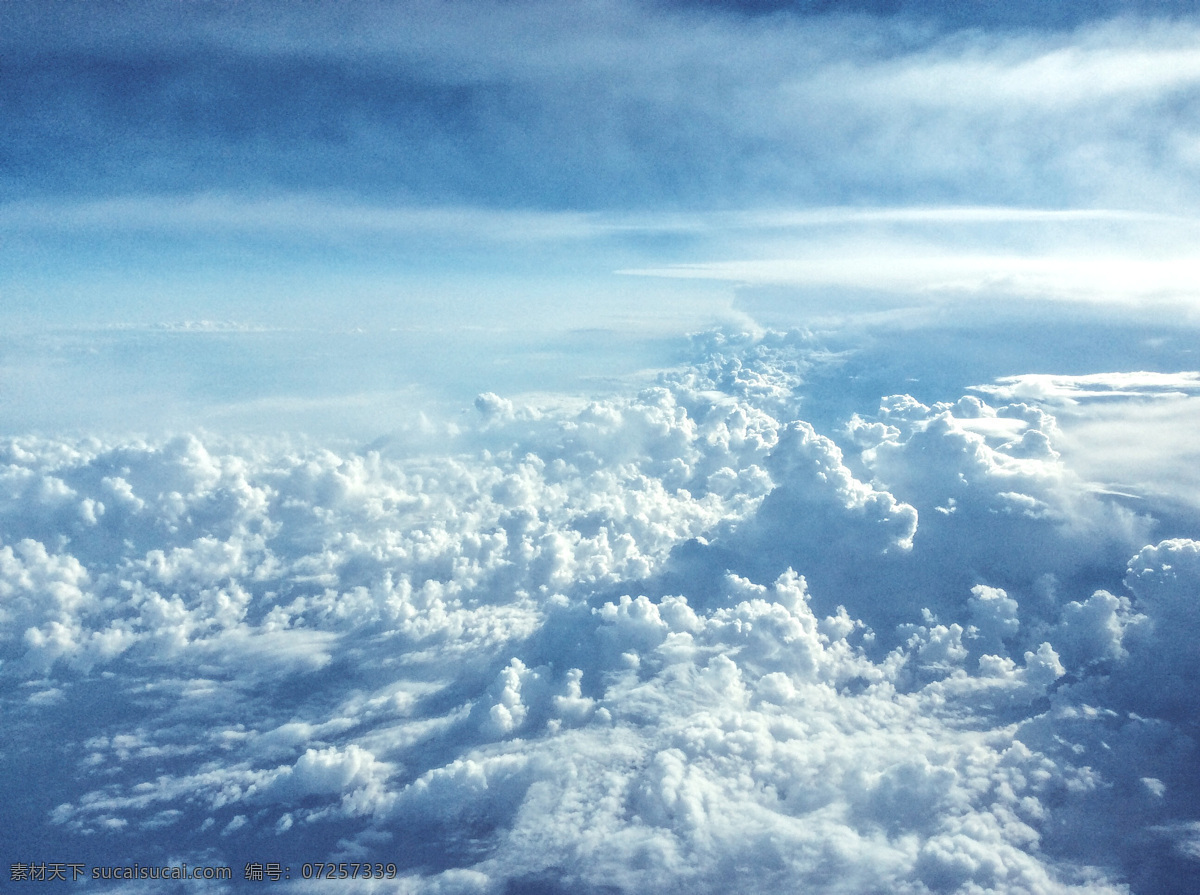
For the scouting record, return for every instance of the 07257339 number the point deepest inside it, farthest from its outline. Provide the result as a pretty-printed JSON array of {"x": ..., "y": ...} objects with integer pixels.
[{"x": 348, "y": 871}]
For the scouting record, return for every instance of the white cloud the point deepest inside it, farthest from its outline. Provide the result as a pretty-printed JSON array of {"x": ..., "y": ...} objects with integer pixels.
[
  {"x": 1105, "y": 66},
  {"x": 944, "y": 273},
  {"x": 1067, "y": 389},
  {"x": 644, "y": 642},
  {"x": 1130, "y": 432}
]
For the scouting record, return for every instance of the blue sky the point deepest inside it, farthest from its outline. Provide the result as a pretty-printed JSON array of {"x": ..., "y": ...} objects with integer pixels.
[
  {"x": 525, "y": 167},
  {"x": 614, "y": 446}
]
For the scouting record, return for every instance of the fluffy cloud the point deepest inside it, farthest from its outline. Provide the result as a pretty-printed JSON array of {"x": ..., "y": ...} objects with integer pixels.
[{"x": 676, "y": 640}]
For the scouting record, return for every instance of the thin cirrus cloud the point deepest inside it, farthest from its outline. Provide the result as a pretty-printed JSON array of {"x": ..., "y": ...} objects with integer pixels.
[
  {"x": 293, "y": 216},
  {"x": 1071, "y": 389},
  {"x": 1083, "y": 74},
  {"x": 1082, "y": 255},
  {"x": 619, "y": 106},
  {"x": 315, "y": 213},
  {"x": 394, "y": 142},
  {"x": 1091, "y": 256},
  {"x": 1100, "y": 277}
]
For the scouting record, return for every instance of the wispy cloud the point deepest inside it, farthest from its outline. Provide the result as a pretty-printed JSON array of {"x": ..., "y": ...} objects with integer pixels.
[
  {"x": 305, "y": 214},
  {"x": 888, "y": 268},
  {"x": 1110, "y": 64},
  {"x": 610, "y": 106},
  {"x": 1045, "y": 386},
  {"x": 296, "y": 215}
]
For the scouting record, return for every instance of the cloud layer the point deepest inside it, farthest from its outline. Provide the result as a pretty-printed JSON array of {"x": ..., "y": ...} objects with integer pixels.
[
  {"x": 673, "y": 640},
  {"x": 908, "y": 606},
  {"x": 610, "y": 105}
]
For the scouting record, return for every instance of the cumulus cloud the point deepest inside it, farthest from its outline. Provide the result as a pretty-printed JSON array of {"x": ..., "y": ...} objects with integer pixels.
[
  {"x": 1129, "y": 432},
  {"x": 670, "y": 640}
]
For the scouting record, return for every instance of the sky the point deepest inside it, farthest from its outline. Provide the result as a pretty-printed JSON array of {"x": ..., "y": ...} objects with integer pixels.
[
  {"x": 519, "y": 447},
  {"x": 226, "y": 170}
]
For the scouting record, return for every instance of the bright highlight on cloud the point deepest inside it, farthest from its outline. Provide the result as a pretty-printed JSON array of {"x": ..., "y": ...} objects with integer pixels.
[
  {"x": 1103, "y": 278},
  {"x": 1071, "y": 389},
  {"x": 663, "y": 641}
]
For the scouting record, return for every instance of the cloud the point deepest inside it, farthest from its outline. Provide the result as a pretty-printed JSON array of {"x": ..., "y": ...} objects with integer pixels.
[
  {"x": 299, "y": 217},
  {"x": 1112, "y": 423},
  {"x": 666, "y": 640},
  {"x": 1103, "y": 66},
  {"x": 893, "y": 270},
  {"x": 889, "y": 607},
  {"x": 405, "y": 100},
  {"x": 1067, "y": 389}
]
